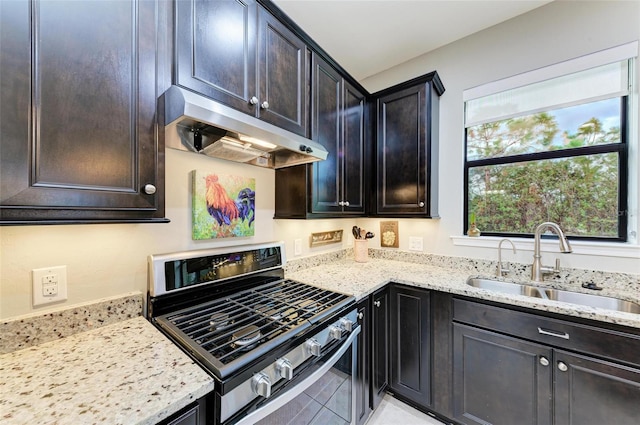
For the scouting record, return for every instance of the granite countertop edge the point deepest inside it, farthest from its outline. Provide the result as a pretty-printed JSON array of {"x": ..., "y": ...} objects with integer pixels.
[
  {"x": 362, "y": 279},
  {"x": 122, "y": 373}
]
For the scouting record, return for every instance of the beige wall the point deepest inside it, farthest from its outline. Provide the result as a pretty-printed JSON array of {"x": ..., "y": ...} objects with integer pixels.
[{"x": 107, "y": 260}]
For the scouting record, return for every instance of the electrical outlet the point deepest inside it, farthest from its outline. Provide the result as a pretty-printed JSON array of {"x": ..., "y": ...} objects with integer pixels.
[
  {"x": 49, "y": 285},
  {"x": 415, "y": 243},
  {"x": 297, "y": 246}
]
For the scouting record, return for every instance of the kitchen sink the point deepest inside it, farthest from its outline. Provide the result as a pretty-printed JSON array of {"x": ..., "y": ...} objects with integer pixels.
[
  {"x": 590, "y": 300},
  {"x": 504, "y": 287}
]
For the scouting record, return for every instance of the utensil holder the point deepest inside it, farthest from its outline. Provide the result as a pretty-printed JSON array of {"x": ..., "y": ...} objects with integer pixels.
[{"x": 360, "y": 250}]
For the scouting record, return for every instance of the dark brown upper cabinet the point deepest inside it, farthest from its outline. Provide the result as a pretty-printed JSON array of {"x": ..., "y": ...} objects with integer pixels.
[
  {"x": 407, "y": 148},
  {"x": 239, "y": 54},
  {"x": 334, "y": 187},
  {"x": 78, "y": 119},
  {"x": 337, "y": 122}
]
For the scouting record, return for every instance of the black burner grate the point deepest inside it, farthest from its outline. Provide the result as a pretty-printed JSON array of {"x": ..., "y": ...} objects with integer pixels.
[{"x": 239, "y": 327}]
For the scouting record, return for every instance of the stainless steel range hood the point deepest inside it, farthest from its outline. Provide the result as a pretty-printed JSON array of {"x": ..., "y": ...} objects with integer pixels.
[{"x": 198, "y": 124}]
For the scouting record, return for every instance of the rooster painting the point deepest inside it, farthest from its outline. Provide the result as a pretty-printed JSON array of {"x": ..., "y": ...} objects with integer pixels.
[{"x": 231, "y": 217}]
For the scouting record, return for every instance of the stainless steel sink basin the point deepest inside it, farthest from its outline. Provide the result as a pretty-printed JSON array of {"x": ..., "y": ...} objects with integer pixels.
[
  {"x": 504, "y": 287},
  {"x": 591, "y": 300}
]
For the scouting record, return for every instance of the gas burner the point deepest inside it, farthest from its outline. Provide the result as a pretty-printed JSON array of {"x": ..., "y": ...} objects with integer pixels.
[
  {"x": 245, "y": 338},
  {"x": 219, "y": 321}
]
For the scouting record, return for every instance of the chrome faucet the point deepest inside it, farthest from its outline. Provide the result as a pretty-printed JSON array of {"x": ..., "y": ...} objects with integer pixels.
[
  {"x": 537, "y": 269},
  {"x": 501, "y": 271}
]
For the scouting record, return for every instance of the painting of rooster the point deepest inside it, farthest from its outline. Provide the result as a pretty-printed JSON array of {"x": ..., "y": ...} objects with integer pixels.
[{"x": 223, "y": 206}]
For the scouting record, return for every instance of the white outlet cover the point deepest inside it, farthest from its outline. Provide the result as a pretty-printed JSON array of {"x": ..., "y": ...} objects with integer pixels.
[
  {"x": 38, "y": 275},
  {"x": 416, "y": 243}
]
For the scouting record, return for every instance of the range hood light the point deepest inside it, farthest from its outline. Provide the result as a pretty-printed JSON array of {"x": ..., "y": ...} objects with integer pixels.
[{"x": 258, "y": 142}]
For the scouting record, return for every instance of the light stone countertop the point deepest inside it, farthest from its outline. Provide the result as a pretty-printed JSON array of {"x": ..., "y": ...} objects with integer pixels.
[
  {"x": 361, "y": 279},
  {"x": 123, "y": 373}
]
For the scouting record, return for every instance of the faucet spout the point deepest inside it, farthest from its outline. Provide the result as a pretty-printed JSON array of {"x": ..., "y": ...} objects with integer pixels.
[
  {"x": 501, "y": 271},
  {"x": 537, "y": 269}
]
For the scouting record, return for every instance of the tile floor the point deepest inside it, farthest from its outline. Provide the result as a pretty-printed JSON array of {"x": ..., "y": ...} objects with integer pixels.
[{"x": 391, "y": 412}]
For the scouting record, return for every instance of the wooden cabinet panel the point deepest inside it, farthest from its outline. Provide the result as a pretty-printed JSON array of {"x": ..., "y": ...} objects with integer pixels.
[
  {"x": 499, "y": 380},
  {"x": 216, "y": 50},
  {"x": 531, "y": 377},
  {"x": 363, "y": 373},
  {"x": 410, "y": 344},
  {"x": 283, "y": 75},
  {"x": 79, "y": 140},
  {"x": 354, "y": 157},
  {"x": 379, "y": 345},
  {"x": 336, "y": 186},
  {"x": 594, "y": 391},
  {"x": 326, "y": 129},
  {"x": 407, "y": 148}
]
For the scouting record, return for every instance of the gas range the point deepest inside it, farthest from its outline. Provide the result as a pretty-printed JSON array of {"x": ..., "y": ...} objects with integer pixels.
[{"x": 254, "y": 331}]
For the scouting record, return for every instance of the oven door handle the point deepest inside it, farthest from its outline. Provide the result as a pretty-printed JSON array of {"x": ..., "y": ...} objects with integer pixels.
[{"x": 292, "y": 393}]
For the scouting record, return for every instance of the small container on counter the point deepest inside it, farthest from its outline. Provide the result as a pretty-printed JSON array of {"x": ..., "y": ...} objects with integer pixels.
[{"x": 361, "y": 250}]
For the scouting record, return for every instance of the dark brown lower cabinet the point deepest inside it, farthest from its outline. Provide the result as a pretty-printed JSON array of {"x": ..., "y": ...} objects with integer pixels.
[
  {"x": 499, "y": 379},
  {"x": 564, "y": 373},
  {"x": 379, "y": 345},
  {"x": 410, "y": 344},
  {"x": 363, "y": 371},
  {"x": 593, "y": 391}
]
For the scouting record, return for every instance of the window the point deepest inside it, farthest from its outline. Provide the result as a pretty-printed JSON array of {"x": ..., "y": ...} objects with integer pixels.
[{"x": 555, "y": 149}]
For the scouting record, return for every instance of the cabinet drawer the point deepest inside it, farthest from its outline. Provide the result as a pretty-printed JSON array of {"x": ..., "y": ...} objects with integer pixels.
[{"x": 610, "y": 344}]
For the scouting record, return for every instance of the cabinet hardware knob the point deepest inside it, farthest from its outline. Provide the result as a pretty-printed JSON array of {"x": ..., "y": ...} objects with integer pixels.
[
  {"x": 562, "y": 367},
  {"x": 421, "y": 204},
  {"x": 254, "y": 100},
  {"x": 345, "y": 203},
  {"x": 360, "y": 315},
  {"x": 264, "y": 105},
  {"x": 341, "y": 203},
  {"x": 376, "y": 303},
  {"x": 544, "y": 361},
  {"x": 149, "y": 189}
]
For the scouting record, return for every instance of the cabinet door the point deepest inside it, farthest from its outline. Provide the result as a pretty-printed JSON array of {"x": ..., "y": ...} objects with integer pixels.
[
  {"x": 283, "y": 75},
  {"x": 78, "y": 98},
  {"x": 410, "y": 344},
  {"x": 216, "y": 50},
  {"x": 590, "y": 391},
  {"x": 402, "y": 152},
  {"x": 363, "y": 372},
  {"x": 379, "y": 345},
  {"x": 326, "y": 129},
  {"x": 500, "y": 380},
  {"x": 353, "y": 150}
]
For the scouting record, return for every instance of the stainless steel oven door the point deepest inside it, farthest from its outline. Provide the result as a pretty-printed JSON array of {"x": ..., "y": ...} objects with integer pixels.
[{"x": 325, "y": 396}]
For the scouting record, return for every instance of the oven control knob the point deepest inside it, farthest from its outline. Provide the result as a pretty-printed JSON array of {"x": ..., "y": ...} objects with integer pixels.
[
  {"x": 284, "y": 368},
  {"x": 335, "y": 332},
  {"x": 346, "y": 324},
  {"x": 261, "y": 384},
  {"x": 313, "y": 347}
]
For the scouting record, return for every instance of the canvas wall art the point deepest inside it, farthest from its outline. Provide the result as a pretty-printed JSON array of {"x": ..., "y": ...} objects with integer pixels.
[{"x": 223, "y": 205}]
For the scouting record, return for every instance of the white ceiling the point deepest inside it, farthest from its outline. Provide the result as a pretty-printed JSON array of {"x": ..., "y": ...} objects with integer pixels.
[{"x": 369, "y": 36}]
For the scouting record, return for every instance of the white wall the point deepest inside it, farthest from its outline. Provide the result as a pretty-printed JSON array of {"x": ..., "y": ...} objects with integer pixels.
[
  {"x": 107, "y": 260},
  {"x": 553, "y": 33}
]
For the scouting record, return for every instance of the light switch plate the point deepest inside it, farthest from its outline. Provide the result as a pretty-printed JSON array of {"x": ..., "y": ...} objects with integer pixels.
[
  {"x": 297, "y": 247},
  {"x": 49, "y": 285}
]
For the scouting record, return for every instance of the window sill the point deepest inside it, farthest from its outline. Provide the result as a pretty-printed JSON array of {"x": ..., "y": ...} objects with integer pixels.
[{"x": 620, "y": 250}]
